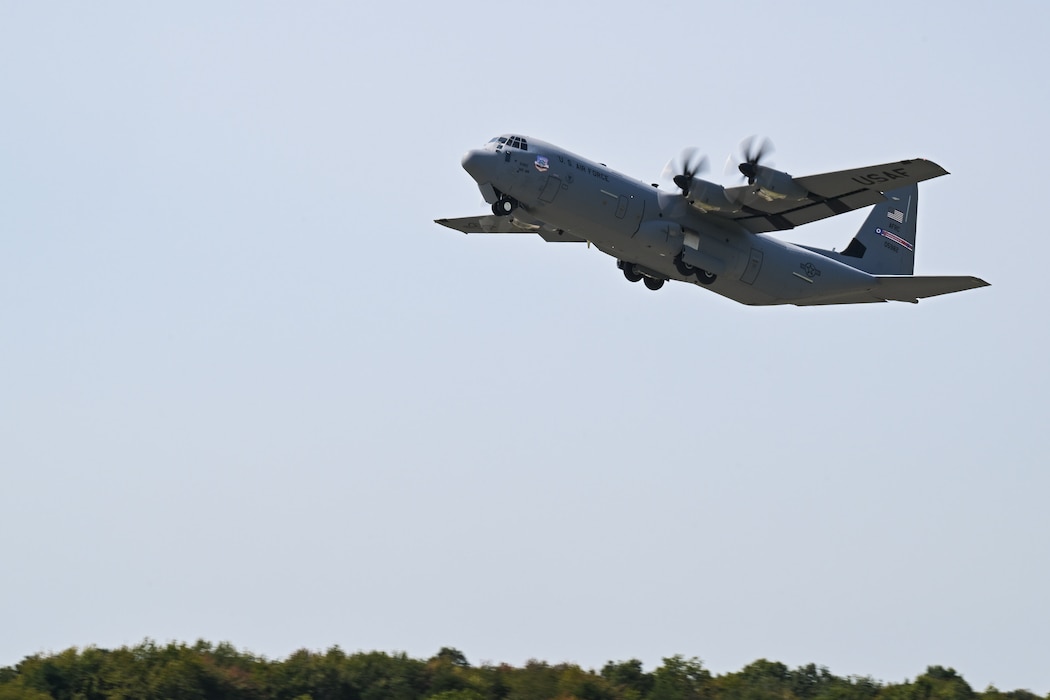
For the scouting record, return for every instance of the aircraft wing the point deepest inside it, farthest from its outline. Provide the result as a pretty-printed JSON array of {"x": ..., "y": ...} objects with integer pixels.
[
  {"x": 509, "y": 224},
  {"x": 829, "y": 194}
]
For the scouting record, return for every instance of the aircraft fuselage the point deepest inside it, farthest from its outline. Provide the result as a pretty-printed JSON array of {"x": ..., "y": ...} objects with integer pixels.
[
  {"x": 713, "y": 236},
  {"x": 639, "y": 224}
]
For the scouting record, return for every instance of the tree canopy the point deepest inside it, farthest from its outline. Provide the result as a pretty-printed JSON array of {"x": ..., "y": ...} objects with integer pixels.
[{"x": 216, "y": 672}]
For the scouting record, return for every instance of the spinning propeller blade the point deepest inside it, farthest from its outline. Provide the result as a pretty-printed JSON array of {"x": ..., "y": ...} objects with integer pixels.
[
  {"x": 683, "y": 169},
  {"x": 752, "y": 152}
]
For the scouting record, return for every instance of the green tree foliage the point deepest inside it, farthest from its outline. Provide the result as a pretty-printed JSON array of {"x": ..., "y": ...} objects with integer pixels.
[
  {"x": 536, "y": 680},
  {"x": 628, "y": 679},
  {"x": 938, "y": 683},
  {"x": 992, "y": 693},
  {"x": 681, "y": 679},
  {"x": 448, "y": 674},
  {"x": 466, "y": 694},
  {"x": 574, "y": 682},
  {"x": 220, "y": 672},
  {"x": 760, "y": 680}
]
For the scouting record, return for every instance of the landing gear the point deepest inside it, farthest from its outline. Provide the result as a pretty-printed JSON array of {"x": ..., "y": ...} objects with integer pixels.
[
  {"x": 631, "y": 274},
  {"x": 687, "y": 270},
  {"x": 684, "y": 268},
  {"x": 504, "y": 205}
]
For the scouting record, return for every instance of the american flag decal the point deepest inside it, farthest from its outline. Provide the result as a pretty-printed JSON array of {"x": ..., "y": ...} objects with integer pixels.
[
  {"x": 895, "y": 238},
  {"x": 897, "y": 215}
]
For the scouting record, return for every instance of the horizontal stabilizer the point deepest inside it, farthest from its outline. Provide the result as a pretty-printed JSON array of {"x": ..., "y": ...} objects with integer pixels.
[
  {"x": 509, "y": 224},
  {"x": 911, "y": 289}
]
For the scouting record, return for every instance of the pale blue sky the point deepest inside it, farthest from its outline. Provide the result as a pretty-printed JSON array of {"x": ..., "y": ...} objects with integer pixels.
[{"x": 250, "y": 392}]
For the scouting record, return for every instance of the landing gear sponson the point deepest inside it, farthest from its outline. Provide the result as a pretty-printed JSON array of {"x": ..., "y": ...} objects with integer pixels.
[{"x": 632, "y": 273}]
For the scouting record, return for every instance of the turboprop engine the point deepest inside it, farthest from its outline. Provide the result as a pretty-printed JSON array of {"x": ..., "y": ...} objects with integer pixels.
[
  {"x": 762, "y": 180},
  {"x": 709, "y": 196},
  {"x": 703, "y": 194},
  {"x": 772, "y": 185}
]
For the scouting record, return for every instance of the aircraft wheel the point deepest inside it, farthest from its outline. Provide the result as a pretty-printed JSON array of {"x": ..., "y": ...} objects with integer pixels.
[
  {"x": 705, "y": 277},
  {"x": 504, "y": 206},
  {"x": 630, "y": 273},
  {"x": 684, "y": 268},
  {"x": 653, "y": 283}
]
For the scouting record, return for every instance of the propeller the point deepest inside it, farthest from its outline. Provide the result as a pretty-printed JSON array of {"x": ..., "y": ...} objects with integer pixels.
[
  {"x": 683, "y": 169},
  {"x": 752, "y": 152}
]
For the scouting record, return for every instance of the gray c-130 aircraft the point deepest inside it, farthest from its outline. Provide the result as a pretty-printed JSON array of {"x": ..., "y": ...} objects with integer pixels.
[{"x": 710, "y": 235}]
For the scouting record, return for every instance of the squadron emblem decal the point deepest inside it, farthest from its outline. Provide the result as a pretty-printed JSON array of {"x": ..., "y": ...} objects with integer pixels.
[{"x": 542, "y": 164}]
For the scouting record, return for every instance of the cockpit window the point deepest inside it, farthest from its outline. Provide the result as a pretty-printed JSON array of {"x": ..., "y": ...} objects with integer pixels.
[
  {"x": 515, "y": 142},
  {"x": 510, "y": 142}
]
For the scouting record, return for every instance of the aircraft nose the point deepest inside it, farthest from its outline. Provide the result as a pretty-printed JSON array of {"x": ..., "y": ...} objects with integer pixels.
[{"x": 474, "y": 163}]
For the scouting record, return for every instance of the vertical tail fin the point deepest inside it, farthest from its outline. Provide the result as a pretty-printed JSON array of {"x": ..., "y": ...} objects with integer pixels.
[{"x": 885, "y": 244}]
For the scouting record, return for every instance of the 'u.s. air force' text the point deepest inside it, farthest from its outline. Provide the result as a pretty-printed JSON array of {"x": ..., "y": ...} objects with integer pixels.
[{"x": 585, "y": 168}]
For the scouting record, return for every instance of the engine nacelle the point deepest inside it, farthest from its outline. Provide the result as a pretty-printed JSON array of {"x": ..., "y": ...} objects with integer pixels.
[
  {"x": 661, "y": 237},
  {"x": 774, "y": 185},
  {"x": 710, "y": 196}
]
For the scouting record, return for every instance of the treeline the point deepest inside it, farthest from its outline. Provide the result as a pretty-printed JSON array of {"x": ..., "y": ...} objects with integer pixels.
[{"x": 206, "y": 671}]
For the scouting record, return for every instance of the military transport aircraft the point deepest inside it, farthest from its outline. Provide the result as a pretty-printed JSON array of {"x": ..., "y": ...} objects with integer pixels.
[{"x": 711, "y": 235}]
